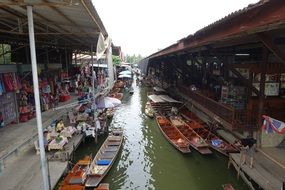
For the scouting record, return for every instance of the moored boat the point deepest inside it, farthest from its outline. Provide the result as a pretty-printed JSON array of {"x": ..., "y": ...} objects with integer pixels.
[
  {"x": 104, "y": 158},
  {"x": 103, "y": 186},
  {"x": 196, "y": 141},
  {"x": 76, "y": 177},
  {"x": 148, "y": 110},
  {"x": 173, "y": 135},
  {"x": 213, "y": 140}
]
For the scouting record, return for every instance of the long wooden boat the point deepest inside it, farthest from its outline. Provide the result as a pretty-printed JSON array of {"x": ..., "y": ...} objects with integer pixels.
[
  {"x": 76, "y": 177},
  {"x": 213, "y": 140},
  {"x": 148, "y": 110},
  {"x": 173, "y": 135},
  {"x": 103, "y": 186},
  {"x": 196, "y": 141},
  {"x": 104, "y": 158}
]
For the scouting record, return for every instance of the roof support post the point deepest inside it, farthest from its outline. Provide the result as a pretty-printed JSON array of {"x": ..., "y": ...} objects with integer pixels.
[
  {"x": 66, "y": 61},
  {"x": 93, "y": 93},
  {"x": 46, "y": 185},
  {"x": 47, "y": 61},
  {"x": 262, "y": 94},
  {"x": 244, "y": 80}
]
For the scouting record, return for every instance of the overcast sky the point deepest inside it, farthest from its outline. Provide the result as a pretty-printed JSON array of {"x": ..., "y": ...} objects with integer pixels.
[{"x": 145, "y": 26}]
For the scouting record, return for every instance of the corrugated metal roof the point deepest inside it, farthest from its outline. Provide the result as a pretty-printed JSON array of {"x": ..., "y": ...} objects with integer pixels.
[
  {"x": 71, "y": 23},
  {"x": 227, "y": 18}
]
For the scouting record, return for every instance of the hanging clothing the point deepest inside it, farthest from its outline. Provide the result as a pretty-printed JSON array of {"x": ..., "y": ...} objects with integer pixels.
[
  {"x": 8, "y": 82},
  {"x": 2, "y": 88}
]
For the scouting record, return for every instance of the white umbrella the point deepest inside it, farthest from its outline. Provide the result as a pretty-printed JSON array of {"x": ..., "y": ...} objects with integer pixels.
[
  {"x": 125, "y": 76},
  {"x": 114, "y": 101},
  {"x": 125, "y": 73},
  {"x": 108, "y": 102}
]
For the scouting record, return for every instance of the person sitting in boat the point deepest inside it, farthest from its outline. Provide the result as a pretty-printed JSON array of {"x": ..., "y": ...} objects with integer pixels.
[{"x": 60, "y": 126}]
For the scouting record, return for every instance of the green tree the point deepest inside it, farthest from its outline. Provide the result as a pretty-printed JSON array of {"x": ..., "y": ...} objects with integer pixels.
[
  {"x": 5, "y": 52},
  {"x": 133, "y": 58},
  {"x": 116, "y": 60}
]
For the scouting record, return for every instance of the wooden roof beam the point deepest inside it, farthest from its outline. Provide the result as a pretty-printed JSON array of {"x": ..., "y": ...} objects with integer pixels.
[{"x": 268, "y": 42}]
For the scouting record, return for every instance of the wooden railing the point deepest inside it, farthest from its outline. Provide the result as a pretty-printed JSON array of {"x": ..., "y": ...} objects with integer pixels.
[{"x": 237, "y": 118}]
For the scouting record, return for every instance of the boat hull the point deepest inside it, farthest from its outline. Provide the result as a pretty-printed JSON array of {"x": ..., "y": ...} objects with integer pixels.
[
  {"x": 104, "y": 159},
  {"x": 196, "y": 124},
  {"x": 196, "y": 141},
  {"x": 75, "y": 178},
  {"x": 172, "y": 135}
]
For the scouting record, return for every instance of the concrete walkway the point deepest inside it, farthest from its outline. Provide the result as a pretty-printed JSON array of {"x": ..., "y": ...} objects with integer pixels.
[
  {"x": 15, "y": 136},
  {"x": 19, "y": 164}
]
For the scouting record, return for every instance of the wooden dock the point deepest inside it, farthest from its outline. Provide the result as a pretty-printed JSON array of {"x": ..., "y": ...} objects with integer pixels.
[
  {"x": 69, "y": 148},
  {"x": 265, "y": 173}
]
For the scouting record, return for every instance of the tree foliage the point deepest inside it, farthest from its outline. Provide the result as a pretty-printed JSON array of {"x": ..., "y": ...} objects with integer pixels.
[
  {"x": 5, "y": 52},
  {"x": 133, "y": 58},
  {"x": 116, "y": 60}
]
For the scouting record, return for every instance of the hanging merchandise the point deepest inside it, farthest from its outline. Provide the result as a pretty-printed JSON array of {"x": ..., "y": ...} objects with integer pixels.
[
  {"x": 46, "y": 89},
  {"x": 2, "y": 88},
  {"x": 16, "y": 83},
  {"x": 24, "y": 108},
  {"x": 1, "y": 120},
  {"x": 8, "y": 82},
  {"x": 8, "y": 107}
]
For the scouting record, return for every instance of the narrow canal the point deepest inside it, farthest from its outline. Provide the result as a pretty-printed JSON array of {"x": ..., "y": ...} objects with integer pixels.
[{"x": 148, "y": 161}]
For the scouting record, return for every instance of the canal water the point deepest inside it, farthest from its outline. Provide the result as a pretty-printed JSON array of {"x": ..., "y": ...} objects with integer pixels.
[{"x": 148, "y": 161}]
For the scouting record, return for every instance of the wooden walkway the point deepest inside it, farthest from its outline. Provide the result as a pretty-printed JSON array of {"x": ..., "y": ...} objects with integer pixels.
[
  {"x": 68, "y": 150},
  {"x": 267, "y": 174}
]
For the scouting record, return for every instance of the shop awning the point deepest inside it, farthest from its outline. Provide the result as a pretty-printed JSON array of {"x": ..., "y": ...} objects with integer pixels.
[{"x": 73, "y": 24}]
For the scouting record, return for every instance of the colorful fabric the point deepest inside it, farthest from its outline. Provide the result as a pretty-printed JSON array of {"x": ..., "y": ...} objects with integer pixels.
[
  {"x": 2, "y": 88},
  {"x": 217, "y": 142},
  {"x": 8, "y": 82},
  {"x": 271, "y": 125},
  {"x": 103, "y": 162}
]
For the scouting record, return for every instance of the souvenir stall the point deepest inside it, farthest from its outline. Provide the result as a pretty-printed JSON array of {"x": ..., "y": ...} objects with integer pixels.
[
  {"x": 58, "y": 135},
  {"x": 64, "y": 86},
  {"x": 9, "y": 86}
]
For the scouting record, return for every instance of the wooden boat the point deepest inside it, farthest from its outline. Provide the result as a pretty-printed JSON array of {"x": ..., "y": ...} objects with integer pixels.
[
  {"x": 173, "y": 135},
  {"x": 195, "y": 140},
  {"x": 213, "y": 140},
  {"x": 117, "y": 95},
  {"x": 76, "y": 177},
  {"x": 104, "y": 158},
  {"x": 228, "y": 186},
  {"x": 103, "y": 186},
  {"x": 148, "y": 110}
]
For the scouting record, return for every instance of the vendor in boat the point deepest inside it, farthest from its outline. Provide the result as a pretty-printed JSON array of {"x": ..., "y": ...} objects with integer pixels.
[{"x": 59, "y": 126}]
